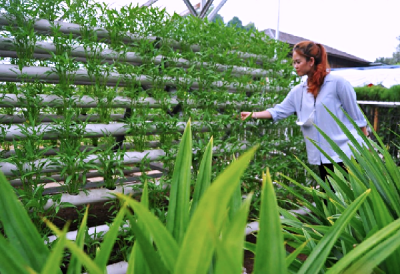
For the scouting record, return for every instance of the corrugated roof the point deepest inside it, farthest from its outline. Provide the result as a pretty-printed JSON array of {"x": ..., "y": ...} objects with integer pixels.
[{"x": 293, "y": 40}]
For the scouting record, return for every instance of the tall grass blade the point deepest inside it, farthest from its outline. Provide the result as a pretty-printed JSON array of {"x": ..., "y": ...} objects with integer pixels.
[
  {"x": 53, "y": 262},
  {"x": 86, "y": 261},
  {"x": 388, "y": 232},
  {"x": 270, "y": 254},
  {"x": 75, "y": 265},
  {"x": 166, "y": 245},
  {"x": 206, "y": 222},
  {"x": 178, "y": 207},
  {"x": 19, "y": 229},
  {"x": 204, "y": 176},
  {"x": 144, "y": 258},
  {"x": 316, "y": 259},
  {"x": 137, "y": 261},
  {"x": 230, "y": 248},
  {"x": 11, "y": 260},
  {"x": 292, "y": 256},
  {"x": 107, "y": 245}
]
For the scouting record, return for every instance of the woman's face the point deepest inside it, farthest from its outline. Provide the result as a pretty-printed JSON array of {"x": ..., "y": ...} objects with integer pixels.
[{"x": 301, "y": 65}]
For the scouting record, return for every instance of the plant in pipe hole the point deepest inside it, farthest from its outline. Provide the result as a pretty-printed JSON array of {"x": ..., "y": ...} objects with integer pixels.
[{"x": 202, "y": 234}]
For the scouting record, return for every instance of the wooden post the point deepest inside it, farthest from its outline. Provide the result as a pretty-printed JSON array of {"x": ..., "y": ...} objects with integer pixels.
[{"x": 376, "y": 119}]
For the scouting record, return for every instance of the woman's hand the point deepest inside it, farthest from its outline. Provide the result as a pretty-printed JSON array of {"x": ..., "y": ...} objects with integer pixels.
[{"x": 244, "y": 115}]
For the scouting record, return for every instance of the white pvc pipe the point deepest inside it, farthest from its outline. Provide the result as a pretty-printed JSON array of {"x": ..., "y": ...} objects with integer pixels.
[
  {"x": 85, "y": 101},
  {"x": 46, "y": 165},
  {"x": 43, "y": 49},
  {"x": 11, "y": 73},
  {"x": 381, "y": 104},
  {"x": 94, "y": 196}
]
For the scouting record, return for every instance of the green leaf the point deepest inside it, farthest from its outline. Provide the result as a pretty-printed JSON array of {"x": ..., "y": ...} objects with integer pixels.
[
  {"x": 270, "y": 254},
  {"x": 53, "y": 262},
  {"x": 11, "y": 259},
  {"x": 316, "y": 259},
  {"x": 137, "y": 262},
  {"x": 380, "y": 240},
  {"x": 294, "y": 254},
  {"x": 75, "y": 265},
  {"x": 203, "y": 177},
  {"x": 144, "y": 259},
  {"x": 230, "y": 247},
  {"x": 178, "y": 207},
  {"x": 201, "y": 237},
  {"x": 166, "y": 244},
  {"x": 107, "y": 245},
  {"x": 90, "y": 265},
  {"x": 20, "y": 231}
]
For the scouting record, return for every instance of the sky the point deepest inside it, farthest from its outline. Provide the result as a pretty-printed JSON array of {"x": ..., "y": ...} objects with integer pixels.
[{"x": 364, "y": 28}]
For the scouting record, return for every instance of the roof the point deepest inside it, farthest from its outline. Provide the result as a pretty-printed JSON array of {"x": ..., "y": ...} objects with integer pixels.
[
  {"x": 386, "y": 76},
  {"x": 293, "y": 40}
]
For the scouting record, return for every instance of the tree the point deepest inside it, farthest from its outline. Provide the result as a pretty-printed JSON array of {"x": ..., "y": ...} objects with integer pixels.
[
  {"x": 250, "y": 26},
  {"x": 235, "y": 21},
  {"x": 395, "y": 59},
  {"x": 217, "y": 18}
]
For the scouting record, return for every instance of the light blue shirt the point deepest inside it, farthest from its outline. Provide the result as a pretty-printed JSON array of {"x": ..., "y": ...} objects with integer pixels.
[{"x": 335, "y": 93}]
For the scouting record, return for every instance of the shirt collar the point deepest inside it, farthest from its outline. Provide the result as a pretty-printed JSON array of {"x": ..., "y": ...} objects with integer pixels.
[{"x": 328, "y": 78}]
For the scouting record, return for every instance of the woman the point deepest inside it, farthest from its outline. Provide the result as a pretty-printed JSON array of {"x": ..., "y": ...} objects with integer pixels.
[{"x": 308, "y": 100}]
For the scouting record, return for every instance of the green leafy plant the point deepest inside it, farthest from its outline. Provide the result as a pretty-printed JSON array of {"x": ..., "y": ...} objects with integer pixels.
[
  {"x": 371, "y": 168},
  {"x": 207, "y": 237}
]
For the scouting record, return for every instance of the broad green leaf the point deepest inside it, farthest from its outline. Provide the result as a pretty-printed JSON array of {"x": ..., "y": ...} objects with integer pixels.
[
  {"x": 316, "y": 259},
  {"x": 230, "y": 247},
  {"x": 137, "y": 262},
  {"x": 166, "y": 244},
  {"x": 376, "y": 240},
  {"x": 149, "y": 260},
  {"x": 20, "y": 231},
  {"x": 199, "y": 243},
  {"x": 292, "y": 256},
  {"x": 90, "y": 265},
  {"x": 53, "y": 262},
  {"x": 270, "y": 254},
  {"x": 11, "y": 260},
  {"x": 75, "y": 265},
  {"x": 250, "y": 247},
  {"x": 203, "y": 177},
  {"x": 178, "y": 207},
  {"x": 384, "y": 218},
  {"x": 374, "y": 257},
  {"x": 110, "y": 237}
]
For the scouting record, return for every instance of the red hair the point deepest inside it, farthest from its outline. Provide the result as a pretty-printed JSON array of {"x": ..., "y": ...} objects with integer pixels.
[{"x": 310, "y": 49}]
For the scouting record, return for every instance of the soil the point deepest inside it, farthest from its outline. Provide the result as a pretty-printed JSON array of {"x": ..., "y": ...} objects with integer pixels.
[{"x": 99, "y": 214}]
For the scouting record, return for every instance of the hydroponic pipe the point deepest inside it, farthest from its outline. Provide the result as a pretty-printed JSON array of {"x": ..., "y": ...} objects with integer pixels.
[
  {"x": 48, "y": 165},
  {"x": 42, "y": 51},
  {"x": 93, "y": 196},
  {"x": 47, "y": 118},
  {"x": 57, "y": 178},
  {"x": 52, "y": 131},
  {"x": 43, "y": 26},
  {"x": 13, "y": 100},
  {"x": 11, "y": 73},
  {"x": 49, "y": 152}
]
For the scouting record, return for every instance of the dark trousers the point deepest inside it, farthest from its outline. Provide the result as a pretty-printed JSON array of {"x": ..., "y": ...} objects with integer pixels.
[{"x": 323, "y": 173}]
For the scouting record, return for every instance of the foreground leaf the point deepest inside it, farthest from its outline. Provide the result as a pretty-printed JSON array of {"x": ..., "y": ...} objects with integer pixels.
[
  {"x": 201, "y": 236},
  {"x": 316, "y": 259},
  {"x": 270, "y": 251}
]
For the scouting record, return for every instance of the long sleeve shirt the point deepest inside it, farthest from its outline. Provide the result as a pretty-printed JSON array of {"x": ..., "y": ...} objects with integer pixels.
[{"x": 335, "y": 93}]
